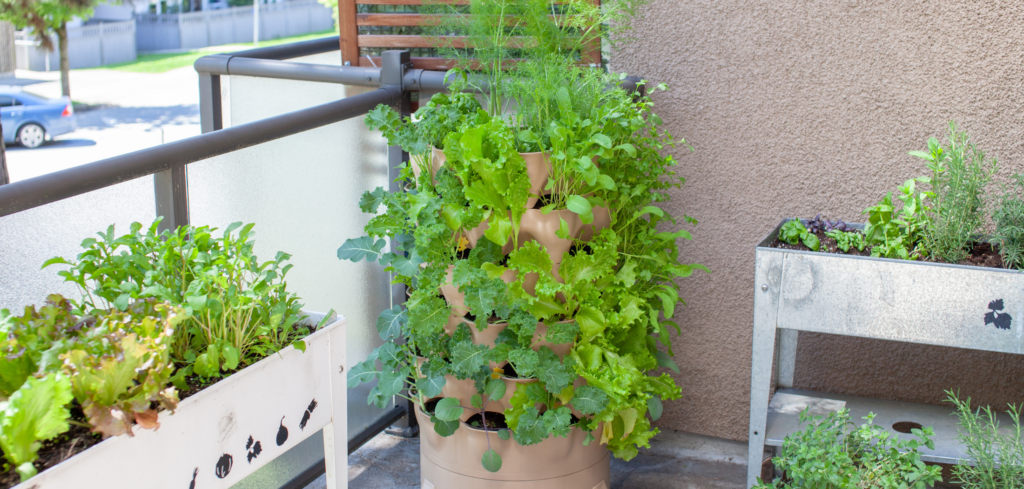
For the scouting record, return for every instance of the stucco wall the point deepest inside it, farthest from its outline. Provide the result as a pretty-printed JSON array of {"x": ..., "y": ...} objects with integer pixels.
[{"x": 795, "y": 108}]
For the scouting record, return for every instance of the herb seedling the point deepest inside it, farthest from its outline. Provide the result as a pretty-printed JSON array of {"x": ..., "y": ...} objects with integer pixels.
[{"x": 794, "y": 232}]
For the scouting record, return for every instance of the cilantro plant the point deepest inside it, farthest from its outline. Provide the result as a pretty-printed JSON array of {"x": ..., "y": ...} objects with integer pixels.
[{"x": 832, "y": 452}]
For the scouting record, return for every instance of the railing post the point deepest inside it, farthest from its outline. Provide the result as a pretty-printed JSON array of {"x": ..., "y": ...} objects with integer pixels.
[
  {"x": 392, "y": 73},
  {"x": 171, "y": 186}
]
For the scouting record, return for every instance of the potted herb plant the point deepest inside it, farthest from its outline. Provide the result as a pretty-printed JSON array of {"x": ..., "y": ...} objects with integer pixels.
[
  {"x": 186, "y": 361},
  {"x": 538, "y": 299}
]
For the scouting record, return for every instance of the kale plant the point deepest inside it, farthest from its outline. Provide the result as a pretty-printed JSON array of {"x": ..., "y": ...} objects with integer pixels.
[
  {"x": 998, "y": 458},
  {"x": 959, "y": 174},
  {"x": 1009, "y": 220},
  {"x": 832, "y": 453}
]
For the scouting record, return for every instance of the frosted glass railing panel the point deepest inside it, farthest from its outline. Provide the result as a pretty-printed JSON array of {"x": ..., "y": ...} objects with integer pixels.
[
  {"x": 303, "y": 191},
  {"x": 29, "y": 238}
]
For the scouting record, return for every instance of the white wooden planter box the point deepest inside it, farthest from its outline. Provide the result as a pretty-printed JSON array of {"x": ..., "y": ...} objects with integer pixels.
[{"x": 229, "y": 430}]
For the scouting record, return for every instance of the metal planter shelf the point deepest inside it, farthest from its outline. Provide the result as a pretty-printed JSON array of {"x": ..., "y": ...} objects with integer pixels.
[{"x": 897, "y": 300}]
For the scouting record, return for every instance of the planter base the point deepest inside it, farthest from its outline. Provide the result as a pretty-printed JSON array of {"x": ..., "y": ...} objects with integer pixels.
[{"x": 597, "y": 476}]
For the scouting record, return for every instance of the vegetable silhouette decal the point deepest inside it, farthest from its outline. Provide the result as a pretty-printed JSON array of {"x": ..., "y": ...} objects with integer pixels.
[
  {"x": 995, "y": 318},
  {"x": 223, "y": 466},
  {"x": 194, "y": 473},
  {"x": 256, "y": 449},
  {"x": 305, "y": 415},
  {"x": 282, "y": 433}
]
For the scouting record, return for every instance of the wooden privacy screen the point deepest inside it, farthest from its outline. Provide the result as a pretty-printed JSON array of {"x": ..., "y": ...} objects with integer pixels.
[{"x": 350, "y": 19}]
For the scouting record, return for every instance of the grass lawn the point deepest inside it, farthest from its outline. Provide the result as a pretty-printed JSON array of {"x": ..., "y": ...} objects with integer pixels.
[{"x": 159, "y": 63}]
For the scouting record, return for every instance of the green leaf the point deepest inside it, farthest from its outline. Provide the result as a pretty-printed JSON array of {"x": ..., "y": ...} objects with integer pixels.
[
  {"x": 392, "y": 381},
  {"x": 578, "y": 204},
  {"x": 231, "y": 357},
  {"x": 361, "y": 373},
  {"x": 55, "y": 261},
  {"x": 445, "y": 428},
  {"x": 362, "y": 248},
  {"x": 299, "y": 345},
  {"x": 495, "y": 389},
  {"x": 35, "y": 413},
  {"x": 525, "y": 361},
  {"x": 208, "y": 363},
  {"x": 654, "y": 407},
  {"x": 590, "y": 400},
  {"x": 555, "y": 375},
  {"x": 666, "y": 361},
  {"x": 504, "y": 434},
  {"x": 448, "y": 409},
  {"x": 476, "y": 401},
  {"x": 491, "y": 461},
  {"x": 390, "y": 322},
  {"x": 431, "y": 386}
]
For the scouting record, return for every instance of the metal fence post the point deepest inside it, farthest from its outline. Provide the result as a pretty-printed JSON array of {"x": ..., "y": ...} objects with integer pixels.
[
  {"x": 171, "y": 186},
  {"x": 393, "y": 67}
]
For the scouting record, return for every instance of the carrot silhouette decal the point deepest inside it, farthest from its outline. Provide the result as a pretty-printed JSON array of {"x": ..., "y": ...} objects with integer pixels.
[
  {"x": 305, "y": 415},
  {"x": 282, "y": 433},
  {"x": 193, "y": 484}
]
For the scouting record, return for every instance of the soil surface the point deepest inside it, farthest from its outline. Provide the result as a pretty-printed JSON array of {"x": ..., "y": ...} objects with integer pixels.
[
  {"x": 982, "y": 254},
  {"x": 495, "y": 421}
]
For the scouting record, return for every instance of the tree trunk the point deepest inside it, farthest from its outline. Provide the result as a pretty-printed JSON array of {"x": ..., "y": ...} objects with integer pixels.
[
  {"x": 65, "y": 66},
  {"x": 5, "y": 178}
]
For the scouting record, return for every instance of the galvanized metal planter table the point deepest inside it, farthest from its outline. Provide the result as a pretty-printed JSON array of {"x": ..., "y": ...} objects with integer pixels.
[{"x": 915, "y": 302}]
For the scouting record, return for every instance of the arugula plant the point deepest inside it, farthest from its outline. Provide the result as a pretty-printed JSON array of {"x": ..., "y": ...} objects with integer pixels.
[
  {"x": 832, "y": 452},
  {"x": 794, "y": 232},
  {"x": 238, "y": 307},
  {"x": 998, "y": 458},
  {"x": 960, "y": 173}
]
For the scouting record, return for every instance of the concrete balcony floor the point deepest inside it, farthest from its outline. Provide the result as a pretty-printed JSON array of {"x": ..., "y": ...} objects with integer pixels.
[{"x": 675, "y": 460}]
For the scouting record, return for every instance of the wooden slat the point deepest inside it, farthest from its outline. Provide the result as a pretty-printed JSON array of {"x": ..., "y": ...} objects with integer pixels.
[
  {"x": 348, "y": 32},
  {"x": 411, "y": 41},
  {"x": 436, "y": 64},
  {"x": 398, "y": 20}
]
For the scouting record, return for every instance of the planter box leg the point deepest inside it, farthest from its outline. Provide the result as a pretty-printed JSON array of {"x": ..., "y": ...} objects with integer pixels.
[
  {"x": 767, "y": 280},
  {"x": 336, "y": 433}
]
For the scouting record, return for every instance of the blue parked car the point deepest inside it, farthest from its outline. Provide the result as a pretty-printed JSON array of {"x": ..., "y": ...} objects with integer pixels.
[{"x": 31, "y": 120}]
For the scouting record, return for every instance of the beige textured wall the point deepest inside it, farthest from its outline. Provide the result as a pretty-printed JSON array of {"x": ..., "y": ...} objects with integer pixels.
[{"x": 797, "y": 107}]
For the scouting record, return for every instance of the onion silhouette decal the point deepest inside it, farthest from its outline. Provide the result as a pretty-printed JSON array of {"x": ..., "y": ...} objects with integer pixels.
[
  {"x": 282, "y": 433},
  {"x": 223, "y": 467}
]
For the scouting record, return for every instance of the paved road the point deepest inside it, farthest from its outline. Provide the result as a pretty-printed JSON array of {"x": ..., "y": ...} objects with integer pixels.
[{"x": 127, "y": 112}]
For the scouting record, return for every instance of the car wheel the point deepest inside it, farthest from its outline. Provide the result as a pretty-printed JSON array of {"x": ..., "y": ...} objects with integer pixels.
[{"x": 31, "y": 135}]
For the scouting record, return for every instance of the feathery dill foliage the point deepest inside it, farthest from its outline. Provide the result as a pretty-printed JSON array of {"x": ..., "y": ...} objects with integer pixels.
[
  {"x": 998, "y": 457},
  {"x": 960, "y": 173},
  {"x": 1009, "y": 219}
]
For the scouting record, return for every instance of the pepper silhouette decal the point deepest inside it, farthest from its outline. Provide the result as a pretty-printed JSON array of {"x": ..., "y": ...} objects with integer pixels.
[
  {"x": 282, "y": 433},
  {"x": 1000, "y": 320}
]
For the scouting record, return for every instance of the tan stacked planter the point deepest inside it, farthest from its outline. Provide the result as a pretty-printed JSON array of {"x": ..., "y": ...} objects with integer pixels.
[{"x": 555, "y": 463}]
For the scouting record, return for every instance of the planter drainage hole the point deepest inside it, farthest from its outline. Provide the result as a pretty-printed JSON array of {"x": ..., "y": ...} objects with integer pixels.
[{"x": 905, "y": 426}]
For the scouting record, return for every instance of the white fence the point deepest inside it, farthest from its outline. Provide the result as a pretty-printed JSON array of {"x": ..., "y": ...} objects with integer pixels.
[
  {"x": 160, "y": 32},
  {"x": 88, "y": 46}
]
